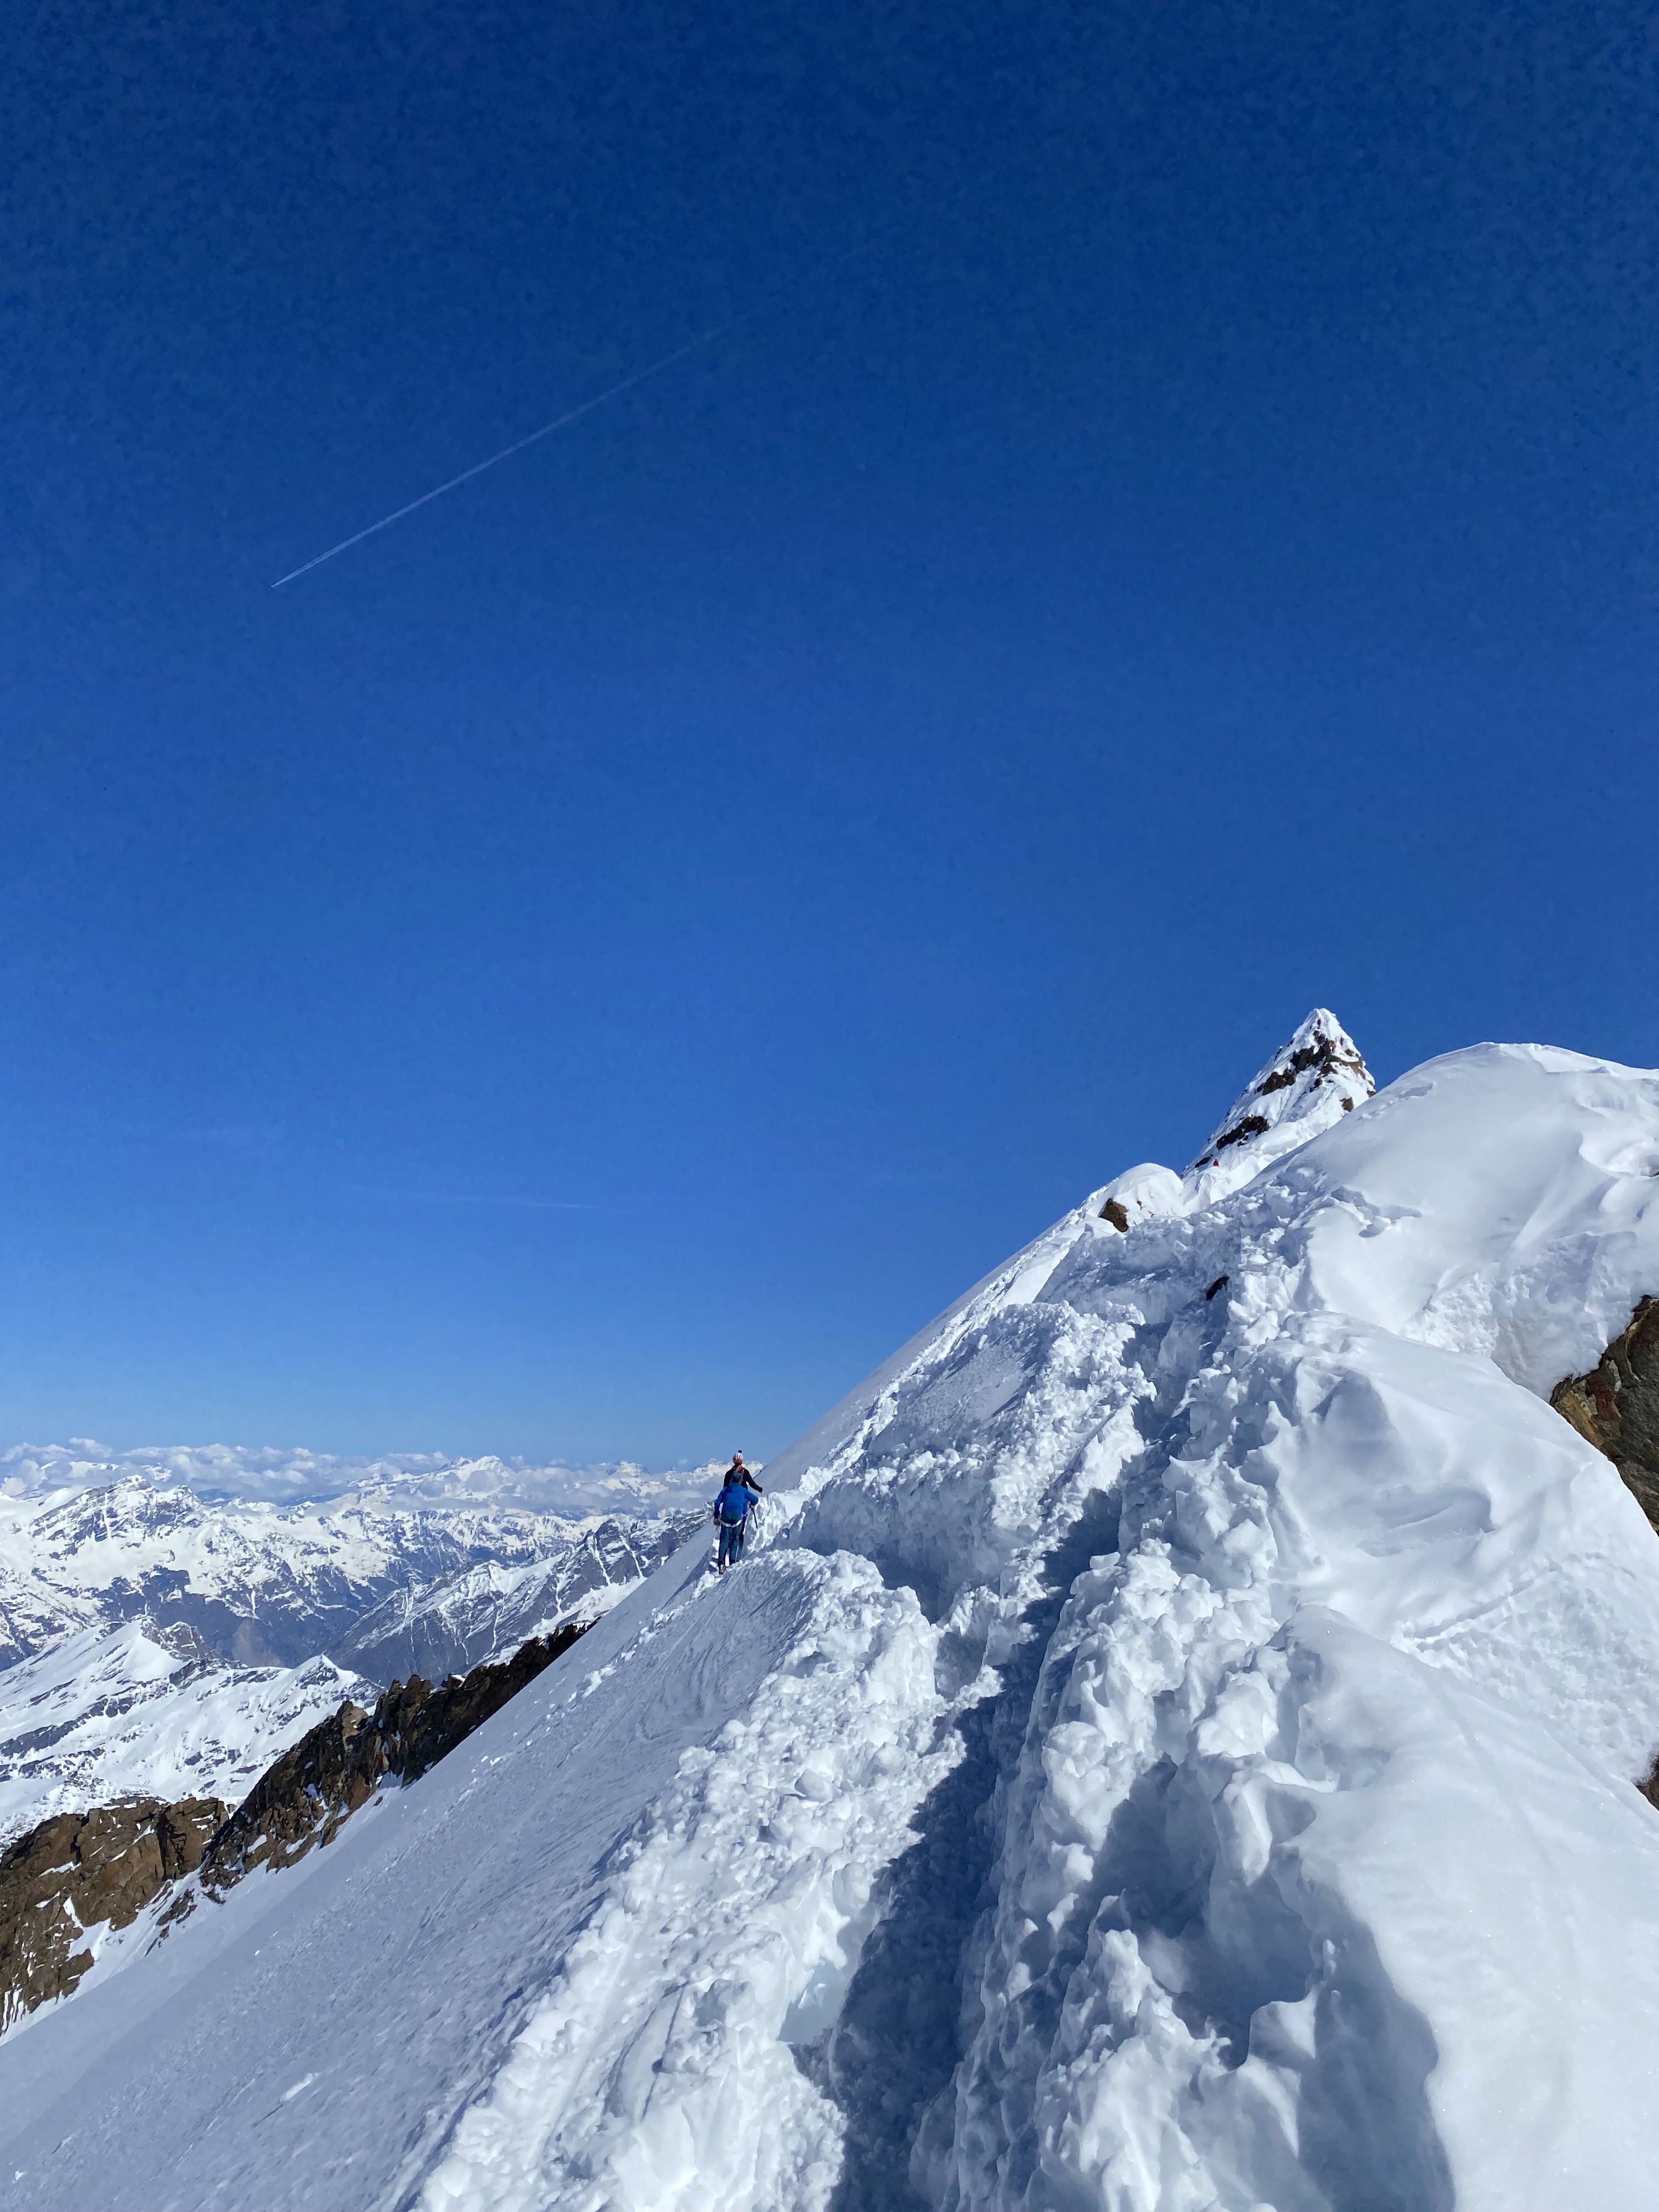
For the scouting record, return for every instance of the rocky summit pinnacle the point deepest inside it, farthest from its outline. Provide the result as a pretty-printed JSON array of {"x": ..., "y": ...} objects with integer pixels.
[{"x": 1307, "y": 1085}]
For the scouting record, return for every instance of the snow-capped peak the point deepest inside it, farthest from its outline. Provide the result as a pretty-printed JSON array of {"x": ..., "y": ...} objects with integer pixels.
[
  {"x": 1161, "y": 1748},
  {"x": 1308, "y": 1084}
]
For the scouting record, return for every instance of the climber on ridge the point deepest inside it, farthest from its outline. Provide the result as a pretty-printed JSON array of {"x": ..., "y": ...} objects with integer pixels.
[{"x": 731, "y": 1510}]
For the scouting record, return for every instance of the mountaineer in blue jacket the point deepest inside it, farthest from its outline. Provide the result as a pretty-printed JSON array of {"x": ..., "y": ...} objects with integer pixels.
[{"x": 731, "y": 1510}]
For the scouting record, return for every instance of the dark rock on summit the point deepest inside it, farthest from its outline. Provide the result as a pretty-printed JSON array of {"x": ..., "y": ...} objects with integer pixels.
[
  {"x": 1320, "y": 1068},
  {"x": 1616, "y": 1405},
  {"x": 79, "y": 1871},
  {"x": 1253, "y": 1125}
]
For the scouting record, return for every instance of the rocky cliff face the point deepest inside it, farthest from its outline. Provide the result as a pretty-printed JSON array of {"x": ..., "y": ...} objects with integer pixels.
[
  {"x": 97, "y": 1871},
  {"x": 1616, "y": 1405},
  {"x": 86, "y": 1872},
  {"x": 313, "y": 1789}
]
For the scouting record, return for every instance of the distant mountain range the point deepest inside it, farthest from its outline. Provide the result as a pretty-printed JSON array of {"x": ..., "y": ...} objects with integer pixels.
[
  {"x": 156, "y": 1641},
  {"x": 487, "y": 1611},
  {"x": 294, "y": 1476}
]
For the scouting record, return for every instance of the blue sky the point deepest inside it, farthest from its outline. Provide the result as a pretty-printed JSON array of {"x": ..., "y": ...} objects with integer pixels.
[{"x": 1171, "y": 541}]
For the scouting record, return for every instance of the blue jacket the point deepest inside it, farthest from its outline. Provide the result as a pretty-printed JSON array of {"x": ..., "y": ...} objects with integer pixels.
[{"x": 733, "y": 1501}]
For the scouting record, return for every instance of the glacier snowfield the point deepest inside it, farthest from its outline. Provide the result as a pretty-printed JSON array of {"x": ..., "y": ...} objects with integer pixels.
[{"x": 1173, "y": 1747}]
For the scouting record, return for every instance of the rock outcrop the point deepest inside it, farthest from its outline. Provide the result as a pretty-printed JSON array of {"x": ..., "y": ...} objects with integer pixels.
[
  {"x": 1616, "y": 1405},
  {"x": 305, "y": 1796},
  {"x": 419, "y": 1725},
  {"x": 85, "y": 1871},
  {"x": 1315, "y": 1078},
  {"x": 301, "y": 1799},
  {"x": 81, "y": 1871}
]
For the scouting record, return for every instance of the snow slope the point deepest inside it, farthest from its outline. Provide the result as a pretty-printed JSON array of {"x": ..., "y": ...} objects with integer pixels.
[
  {"x": 140, "y": 1711},
  {"x": 1173, "y": 1750}
]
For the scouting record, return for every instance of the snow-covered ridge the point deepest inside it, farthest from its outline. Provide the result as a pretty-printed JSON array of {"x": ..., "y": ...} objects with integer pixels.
[{"x": 1173, "y": 1751}]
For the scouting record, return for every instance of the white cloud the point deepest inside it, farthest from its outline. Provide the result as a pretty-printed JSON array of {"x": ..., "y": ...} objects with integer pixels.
[{"x": 285, "y": 1475}]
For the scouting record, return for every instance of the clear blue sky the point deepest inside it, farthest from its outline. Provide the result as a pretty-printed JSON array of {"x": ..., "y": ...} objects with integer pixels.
[{"x": 594, "y": 968}]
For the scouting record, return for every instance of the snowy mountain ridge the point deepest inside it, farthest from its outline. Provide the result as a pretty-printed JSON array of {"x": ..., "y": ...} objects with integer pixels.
[
  {"x": 1173, "y": 1750},
  {"x": 262, "y": 1585},
  {"x": 486, "y": 1612}
]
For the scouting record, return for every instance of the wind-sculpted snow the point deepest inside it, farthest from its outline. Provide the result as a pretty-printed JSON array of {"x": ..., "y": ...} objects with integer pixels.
[{"x": 1173, "y": 1750}]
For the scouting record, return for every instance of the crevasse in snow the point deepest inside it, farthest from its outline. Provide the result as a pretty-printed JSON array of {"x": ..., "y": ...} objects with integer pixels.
[{"x": 1173, "y": 1749}]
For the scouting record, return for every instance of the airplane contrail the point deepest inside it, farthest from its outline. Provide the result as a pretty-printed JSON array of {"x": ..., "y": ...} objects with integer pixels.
[{"x": 516, "y": 446}]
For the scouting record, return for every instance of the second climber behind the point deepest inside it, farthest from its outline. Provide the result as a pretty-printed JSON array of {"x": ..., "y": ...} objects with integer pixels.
[{"x": 731, "y": 1510}]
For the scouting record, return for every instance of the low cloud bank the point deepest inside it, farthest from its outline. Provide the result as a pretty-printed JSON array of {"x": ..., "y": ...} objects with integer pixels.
[{"x": 282, "y": 1475}]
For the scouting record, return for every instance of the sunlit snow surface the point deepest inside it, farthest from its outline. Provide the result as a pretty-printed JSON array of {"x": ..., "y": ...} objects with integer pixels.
[{"x": 1170, "y": 1751}]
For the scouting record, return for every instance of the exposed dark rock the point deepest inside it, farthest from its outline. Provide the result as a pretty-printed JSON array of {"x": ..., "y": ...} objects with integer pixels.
[
  {"x": 300, "y": 1800},
  {"x": 79, "y": 1870},
  {"x": 1616, "y": 1405},
  {"x": 1253, "y": 1125},
  {"x": 1325, "y": 1053},
  {"x": 1117, "y": 1213},
  {"x": 313, "y": 1789},
  {"x": 420, "y": 1729}
]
